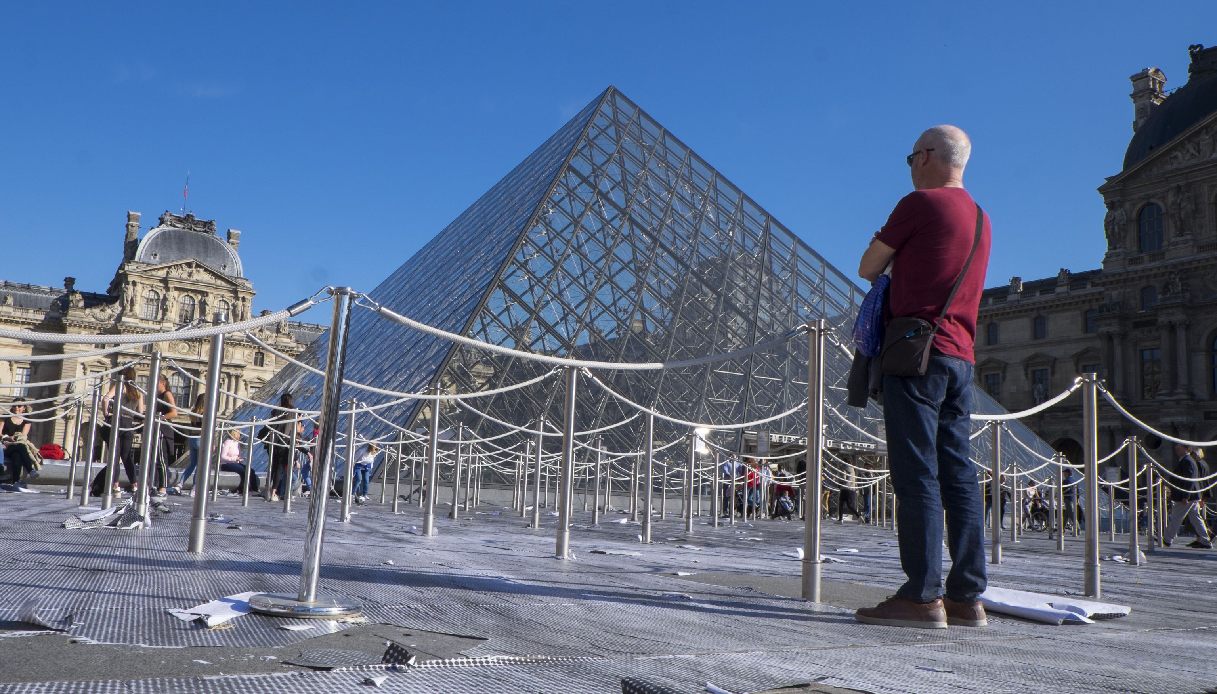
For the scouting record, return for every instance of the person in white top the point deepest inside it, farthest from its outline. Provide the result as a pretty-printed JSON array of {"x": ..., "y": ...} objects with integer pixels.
[
  {"x": 363, "y": 472},
  {"x": 230, "y": 461}
]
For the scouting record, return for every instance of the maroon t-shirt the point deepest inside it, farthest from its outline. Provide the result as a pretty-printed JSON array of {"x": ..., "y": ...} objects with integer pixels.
[{"x": 932, "y": 232}]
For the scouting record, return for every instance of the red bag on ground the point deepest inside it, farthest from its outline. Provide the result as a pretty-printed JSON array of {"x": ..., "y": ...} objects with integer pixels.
[{"x": 52, "y": 451}]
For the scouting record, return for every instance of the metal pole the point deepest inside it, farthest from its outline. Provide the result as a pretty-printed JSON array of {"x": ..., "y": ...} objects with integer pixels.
[
  {"x": 586, "y": 481},
  {"x": 112, "y": 449},
  {"x": 812, "y": 499},
  {"x": 1149, "y": 505},
  {"x": 397, "y": 478},
  {"x": 633, "y": 484},
  {"x": 1060, "y": 503},
  {"x": 1090, "y": 437},
  {"x": 211, "y": 401},
  {"x": 147, "y": 450},
  {"x": 567, "y": 476},
  {"x": 455, "y": 514},
  {"x": 995, "y": 495},
  {"x": 291, "y": 464},
  {"x": 596, "y": 491},
  {"x": 648, "y": 443},
  {"x": 74, "y": 453},
  {"x": 536, "y": 480},
  {"x": 249, "y": 466},
  {"x": 306, "y": 603},
  {"x": 215, "y": 479},
  {"x": 1014, "y": 502},
  {"x": 734, "y": 484},
  {"x": 716, "y": 498},
  {"x": 432, "y": 467},
  {"x": 524, "y": 478},
  {"x": 689, "y": 472},
  {"x": 469, "y": 475},
  {"x": 1134, "y": 533},
  {"x": 87, "y": 480},
  {"x": 349, "y": 466}
]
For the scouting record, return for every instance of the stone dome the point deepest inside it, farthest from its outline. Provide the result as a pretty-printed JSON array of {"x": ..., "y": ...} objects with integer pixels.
[
  {"x": 186, "y": 238},
  {"x": 1184, "y": 108}
]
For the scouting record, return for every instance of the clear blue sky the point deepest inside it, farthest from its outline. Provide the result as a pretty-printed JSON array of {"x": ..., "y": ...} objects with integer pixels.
[{"x": 340, "y": 139}]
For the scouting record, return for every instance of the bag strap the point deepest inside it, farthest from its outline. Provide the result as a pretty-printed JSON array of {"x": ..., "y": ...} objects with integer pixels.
[{"x": 980, "y": 223}]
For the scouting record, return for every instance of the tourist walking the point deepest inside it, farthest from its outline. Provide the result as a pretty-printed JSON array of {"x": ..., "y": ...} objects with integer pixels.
[
  {"x": 936, "y": 242},
  {"x": 166, "y": 410},
  {"x": 192, "y": 443},
  {"x": 131, "y": 406},
  {"x": 1186, "y": 501}
]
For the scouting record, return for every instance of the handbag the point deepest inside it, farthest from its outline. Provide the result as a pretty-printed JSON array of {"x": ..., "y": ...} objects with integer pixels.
[{"x": 908, "y": 340}]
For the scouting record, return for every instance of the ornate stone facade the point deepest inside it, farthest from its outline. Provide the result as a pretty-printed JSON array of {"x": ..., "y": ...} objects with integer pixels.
[
  {"x": 179, "y": 273},
  {"x": 1146, "y": 321}
]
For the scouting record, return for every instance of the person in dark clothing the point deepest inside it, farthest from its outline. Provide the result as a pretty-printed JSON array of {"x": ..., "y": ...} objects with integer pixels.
[
  {"x": 1069, "y": 495},
  {"x": 132, "y": 409},
  {"x": 166, "y": 409},
  {"x": 17, "y": 458},
  {"x": 276, "y": 437},
  {"x": 1185, "y": 500}
]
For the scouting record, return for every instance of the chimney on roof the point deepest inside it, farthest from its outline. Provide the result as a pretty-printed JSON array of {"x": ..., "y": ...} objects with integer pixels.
[
  {"x": 234, "y": 238},
  {"x": 1147, "y": 93},
  {"x": 132, "y": 238}
]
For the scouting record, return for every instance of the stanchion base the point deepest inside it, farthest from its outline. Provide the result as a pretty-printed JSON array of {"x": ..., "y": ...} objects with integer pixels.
[{"x": 325, "y": 607}]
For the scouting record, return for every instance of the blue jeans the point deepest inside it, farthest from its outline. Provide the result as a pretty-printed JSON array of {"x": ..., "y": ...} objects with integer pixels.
[
  {"x": 927, "y": 420},
  {"x": 193, "y": 446},
  {"x": 363, "y": 476}
]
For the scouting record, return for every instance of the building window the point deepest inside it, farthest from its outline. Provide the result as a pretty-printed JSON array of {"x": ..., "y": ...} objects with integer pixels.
[
  {"x": 992, "y": 333},
  {"x": 1039, "y": 385},
  {"x": 1151, "y": 372},
  {"x": 1149, "y": 228},
  {"x": 185, "y": 310},
  {"x": 1039, "y": 328},
  {"x": 1149, "y": 297},
  {"x": 1090, "y": 321},
  {"x": 259, "y": 359},
  {"x": 992, "y": 384},
  {"x": 180, "y": 386},
  {"x": 21, "y": 375},
  {"x": 223, "y": 309},
  {"x": 152, "y": 306}
]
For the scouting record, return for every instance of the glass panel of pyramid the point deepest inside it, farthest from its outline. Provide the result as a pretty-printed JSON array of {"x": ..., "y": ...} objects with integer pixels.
[{"x": 613, "y": 241}]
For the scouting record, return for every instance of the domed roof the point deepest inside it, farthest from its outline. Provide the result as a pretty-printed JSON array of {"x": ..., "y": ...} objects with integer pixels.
[
  {"x": 186, "y": 238},
  {"x": 1184, "y": 108}
]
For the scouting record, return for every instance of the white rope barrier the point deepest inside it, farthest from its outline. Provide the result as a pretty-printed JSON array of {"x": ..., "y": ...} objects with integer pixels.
[
  {"x": 1132, "y": 418},
  {"x": 1077, "y": 383}
]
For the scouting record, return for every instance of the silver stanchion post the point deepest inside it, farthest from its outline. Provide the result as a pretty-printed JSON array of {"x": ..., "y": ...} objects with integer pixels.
[
  {"x": 1090, "y": 438},
  {"x": 689, "y": 472},
  {"x": 526, "y": 455},
  {"x": 291, "y": 464},
  {"x": 74, "y": 452},
  {"x": 469, "y": 465},
  {"x": 249, "y": 466},
  {"x": 734, "y": 491},
  {"x": 566, "y": 477},
  {"x": 717, "y": 496},
  {"x": 1149, "y": 505},
  {"x": 397, "y": 478},
  {"x": 147, "y": 449},
  {"x": 812, "y": 499},
  {"x": 116, "y": 408},
  {"x": 455, "y": 514},
  {"x": 633, "y": 484},
  {"x": 995, "y": 494},
  {"x": 1134, "y": 511},
  {"x": 1015, "y": 502},
  {"x": 87, "y": 480},
  {"x": 432, "y": 467},
  {"x": 648, "y": 443},
  {"x": 536, "y": 480},
  {"x": 349, "y": 466},
  {"x": 596, "y": 491},
  {"x": 1060, "y": 503},
  {"x": 306, "y": 602},
  {"x": 204, "y": 471}
]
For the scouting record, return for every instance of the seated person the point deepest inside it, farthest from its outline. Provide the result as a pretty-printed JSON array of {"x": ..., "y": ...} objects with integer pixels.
[
  {"x": 230, "y": 461},
  {"x": 783, "y": 508},
  {"x": 21, "y": 458}
]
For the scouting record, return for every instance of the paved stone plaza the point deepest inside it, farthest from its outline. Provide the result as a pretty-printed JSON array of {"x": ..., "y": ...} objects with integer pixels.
[{"x": 486, "y": 608}]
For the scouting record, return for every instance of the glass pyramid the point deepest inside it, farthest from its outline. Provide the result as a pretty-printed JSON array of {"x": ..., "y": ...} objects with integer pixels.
[{"x": 612, "y": 241}]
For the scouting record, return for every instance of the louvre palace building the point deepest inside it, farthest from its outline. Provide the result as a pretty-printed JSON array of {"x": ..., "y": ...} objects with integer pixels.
[
  {"x": 178, "y": 273},
  {"x": 1146, "y": 321}
]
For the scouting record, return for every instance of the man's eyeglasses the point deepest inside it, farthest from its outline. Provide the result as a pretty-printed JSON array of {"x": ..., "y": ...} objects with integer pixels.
[{"x": 909, "y": 159}]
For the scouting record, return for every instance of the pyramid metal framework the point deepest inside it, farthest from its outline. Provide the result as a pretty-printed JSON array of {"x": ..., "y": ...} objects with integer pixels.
[{"x": 612, "y": 241}]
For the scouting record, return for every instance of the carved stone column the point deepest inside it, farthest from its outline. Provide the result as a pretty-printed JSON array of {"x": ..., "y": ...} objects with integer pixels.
[
  {"x": 1118, "y": 371},
  {"x": 1183, "y": 382}
]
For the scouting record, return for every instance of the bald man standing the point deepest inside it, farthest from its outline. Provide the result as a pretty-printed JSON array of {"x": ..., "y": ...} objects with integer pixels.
[{"x": 928, "y": 240}]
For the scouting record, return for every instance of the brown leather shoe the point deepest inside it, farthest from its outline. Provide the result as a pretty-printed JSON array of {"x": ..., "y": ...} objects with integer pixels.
[
  {"x": 965, "y": 614},
  {"x": 898, "y": 612}
]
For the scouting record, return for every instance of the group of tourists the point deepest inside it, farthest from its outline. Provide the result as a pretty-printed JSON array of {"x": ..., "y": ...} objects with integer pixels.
[{"x": 758, "y": 490}]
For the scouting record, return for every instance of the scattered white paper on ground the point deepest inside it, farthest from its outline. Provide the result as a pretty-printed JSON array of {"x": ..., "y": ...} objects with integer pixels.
[
  {"x": 754, "y": 539},
  {"x": 682, "y": 573},
  {"x": 1048, "y": 609},
  {"x": 617, "y": 552},
  {"x": 711, "y": 689},
  {"x": 375, "y": 680},
  {"x": 797, "y": 553},
  {"x": 202, "y": 662},
  {"x": 217, "y": 611},
  {"x": 693, "y": 547},
  {"x": 388, "y": 562},
  {"x": 846, "y": 550},
  {"x": 296, "y": 627}
]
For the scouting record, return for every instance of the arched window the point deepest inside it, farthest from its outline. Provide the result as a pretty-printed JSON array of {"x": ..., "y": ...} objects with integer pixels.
[
  {"x": 992, "y": 333},
  {"x": 151, "y": 309},
  {"x": 259, "y": 359},
  {"x": 1090, "y": 320},
  {"x": 224, "y": 310},
  {"x": 1149, "y": 228},
  {"x": 185, "y": 309},
  {"x": 1039, "y": 328},
  {"x": 1149, "y": 297}
]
